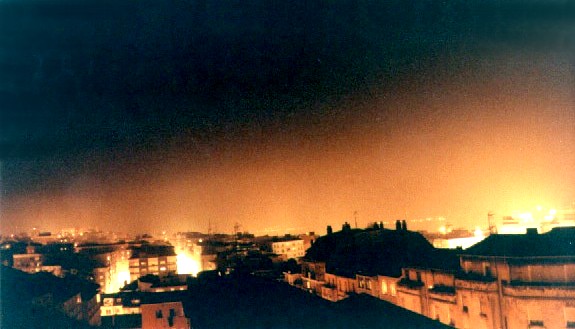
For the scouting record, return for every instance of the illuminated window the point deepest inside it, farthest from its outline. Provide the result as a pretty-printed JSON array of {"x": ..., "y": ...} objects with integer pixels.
[
  {"x": 392, "y": 289},
  {"x": 383, "y": 287}
]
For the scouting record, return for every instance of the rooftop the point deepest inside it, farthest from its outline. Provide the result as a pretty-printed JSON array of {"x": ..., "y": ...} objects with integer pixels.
[
  {"x": 381, "y": 251},
  {"x": 152, "y": 251},
  {"x": 559, "y": 241}
]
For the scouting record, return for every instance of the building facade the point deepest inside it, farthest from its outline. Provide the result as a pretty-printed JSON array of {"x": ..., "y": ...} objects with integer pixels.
[
  {"x": 156, "y": 260},
  {"x": 503, "y": 282},
  {"x": 289, "y": 248},
  {"x": 164, "y": 315}
]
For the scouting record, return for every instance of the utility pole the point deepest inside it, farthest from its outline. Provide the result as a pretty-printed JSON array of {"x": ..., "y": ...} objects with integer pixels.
[
  {"x": 237, "y": 227},
  {"x": 209, "y": 229}
]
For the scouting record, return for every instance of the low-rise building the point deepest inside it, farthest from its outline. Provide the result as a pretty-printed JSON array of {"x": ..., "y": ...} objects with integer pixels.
[
  {"x": 29, "y": 262},
  {"x": 144, "y": 309},
  {"x": 162, "y": 312},
  {"x": 506, "y": 281},
  {"x": 289, "y": 248}
]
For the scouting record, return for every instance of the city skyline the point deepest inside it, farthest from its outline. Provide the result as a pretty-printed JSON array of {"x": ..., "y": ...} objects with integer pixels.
[{"x": 134, "y": 122}]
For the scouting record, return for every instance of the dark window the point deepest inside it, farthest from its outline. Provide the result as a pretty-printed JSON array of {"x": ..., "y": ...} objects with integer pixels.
[
  {"x": 488, "y": 270},
  {"x": 465, "y": 309},
  {"x": 159, "y": 314},
  {"x": 570, "y": 324},
  {"x": 535, "y": 323},
  {"x": 172, "y": 312}
]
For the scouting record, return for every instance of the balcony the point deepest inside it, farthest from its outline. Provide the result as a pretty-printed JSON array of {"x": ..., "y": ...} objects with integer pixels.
[
  {"x": 540, "y": 289},
  {"x": 472, "y": 276},
  {"x": 443, "y": 290},
  {"x": 410, "y": 284}
]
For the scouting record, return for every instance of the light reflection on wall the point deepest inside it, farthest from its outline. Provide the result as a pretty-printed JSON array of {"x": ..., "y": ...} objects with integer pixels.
[{"x": 122, "y": 278}]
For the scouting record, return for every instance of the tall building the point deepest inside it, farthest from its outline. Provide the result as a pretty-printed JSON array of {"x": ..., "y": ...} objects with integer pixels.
[{"x": 158, "y": 260}]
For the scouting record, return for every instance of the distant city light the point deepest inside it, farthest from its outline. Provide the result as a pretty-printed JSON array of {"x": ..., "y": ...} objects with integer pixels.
[
  {"x": 552, "y": 212},
  {"x": 478, "y": 233}
]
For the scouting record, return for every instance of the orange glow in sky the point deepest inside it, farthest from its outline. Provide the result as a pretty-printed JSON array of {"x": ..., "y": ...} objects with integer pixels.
[{"x": 454, "y": 144}]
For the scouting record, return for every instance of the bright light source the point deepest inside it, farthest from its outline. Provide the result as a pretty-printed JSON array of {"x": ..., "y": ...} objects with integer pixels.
[
  {"x": 478, "y": 233},
  {"x": 442, "y": 230},
  {"x": 187, "y": 264}
]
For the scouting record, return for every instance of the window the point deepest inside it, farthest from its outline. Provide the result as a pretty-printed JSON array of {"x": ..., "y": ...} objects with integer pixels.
[
  {"x": 464, "y": 304},
  {"x": 483, "y": 306},
  {"x": 392, "y": 289},
  {"x": 487, "y": 269},
  {"x": 172, "y": 312},
  {"x": 569, "y": 313},
  {"x": 383, "y": 287},
  {"x": 535, "y": 317},
  {"x": 159, "y": 314}
]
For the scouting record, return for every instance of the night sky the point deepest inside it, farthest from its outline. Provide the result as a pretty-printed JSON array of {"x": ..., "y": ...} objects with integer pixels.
[{"x": 141, "y": 116}]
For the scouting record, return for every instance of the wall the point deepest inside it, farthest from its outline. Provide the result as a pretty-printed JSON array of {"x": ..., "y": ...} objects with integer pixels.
[{"x": 156, "y": 316}]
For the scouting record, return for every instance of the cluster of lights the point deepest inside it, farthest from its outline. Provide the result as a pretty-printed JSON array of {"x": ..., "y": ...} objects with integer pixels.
[{"x": 529, "y": 217}]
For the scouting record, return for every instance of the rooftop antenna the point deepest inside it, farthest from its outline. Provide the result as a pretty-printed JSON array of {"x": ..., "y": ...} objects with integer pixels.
[
  {"x": 209, "y": 228},
  {"x": 491, "y": 228},
  {"x": 355, "y": 218},
  {"x": 237, "y": 227}
]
